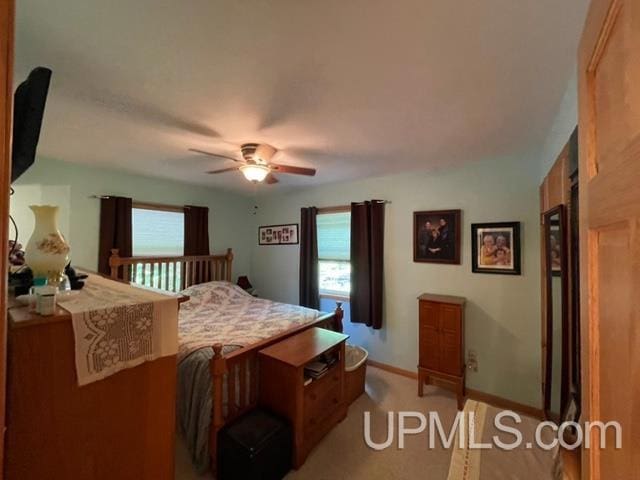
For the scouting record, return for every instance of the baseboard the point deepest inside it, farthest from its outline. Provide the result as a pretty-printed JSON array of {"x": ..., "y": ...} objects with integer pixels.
[
  {"x": 493, "y": 400},
  {"x": 505, "y": 404},
  {"x": 391, "y": 369}
]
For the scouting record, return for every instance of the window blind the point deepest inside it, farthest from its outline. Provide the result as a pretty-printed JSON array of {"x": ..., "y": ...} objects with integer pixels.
[
  {"x": 157, "y": 232},
  {"x": 334, "y": 236}
]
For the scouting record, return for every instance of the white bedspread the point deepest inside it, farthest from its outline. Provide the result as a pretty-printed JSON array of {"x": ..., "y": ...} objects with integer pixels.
[{"x": 220, "y": 312}]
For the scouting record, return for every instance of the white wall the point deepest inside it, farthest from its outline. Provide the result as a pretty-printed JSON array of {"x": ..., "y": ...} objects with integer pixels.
[
  {"x": 70, "y": 186},
  {"x": 38, "y": 194},
  {"x": 562, "y": 127},
  {"x": 503, "y": 312}
]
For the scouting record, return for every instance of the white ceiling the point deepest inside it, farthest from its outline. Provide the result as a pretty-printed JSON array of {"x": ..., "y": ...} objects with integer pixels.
[{"x": 351, "y": 87}]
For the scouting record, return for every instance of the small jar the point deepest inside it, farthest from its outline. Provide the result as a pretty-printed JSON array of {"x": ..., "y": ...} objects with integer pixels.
[
  {"x": 39, "y": 284},
  {"x": 46, "y": 301}
]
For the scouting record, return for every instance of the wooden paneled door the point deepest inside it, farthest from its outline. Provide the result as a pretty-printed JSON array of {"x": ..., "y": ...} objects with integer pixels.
[
  {"x": 609, "y": 77},
  {"x": 6, "y": 114}
]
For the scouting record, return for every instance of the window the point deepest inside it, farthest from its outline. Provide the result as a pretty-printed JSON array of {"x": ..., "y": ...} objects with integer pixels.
[
  {"x": 334, "y": 253},
  {"x": 157, "y": 233}
]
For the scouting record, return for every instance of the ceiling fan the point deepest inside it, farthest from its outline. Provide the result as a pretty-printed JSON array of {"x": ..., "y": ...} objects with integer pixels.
[{"x": 256, "y": 165}]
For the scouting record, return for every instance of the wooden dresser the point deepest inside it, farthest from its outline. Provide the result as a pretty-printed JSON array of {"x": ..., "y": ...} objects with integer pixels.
[
  {"x": 121, "y": 427},
  {"x": 441, "y": 343},
  {"x": 316, "y": 408}
]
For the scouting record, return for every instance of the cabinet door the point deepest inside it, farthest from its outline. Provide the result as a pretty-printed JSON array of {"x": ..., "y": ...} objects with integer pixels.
[
  {"x": 429, "y": 327},
  {"x": 450, "y": 339}
]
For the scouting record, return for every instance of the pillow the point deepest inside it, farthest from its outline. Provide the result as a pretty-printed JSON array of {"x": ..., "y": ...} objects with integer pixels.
[{"x": 215, "y": 291}]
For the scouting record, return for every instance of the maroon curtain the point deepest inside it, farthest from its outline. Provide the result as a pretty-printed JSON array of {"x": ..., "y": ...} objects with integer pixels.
[
  {"x": 196, "y": 230},
  {"x": 115, "y": 230},
  {"x": 309, "y": 290},
  {"x": 367, "y": 262}
]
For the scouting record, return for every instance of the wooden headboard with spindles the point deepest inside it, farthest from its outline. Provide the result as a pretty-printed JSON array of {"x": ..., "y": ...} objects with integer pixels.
[{"x": 171, "y": 273}]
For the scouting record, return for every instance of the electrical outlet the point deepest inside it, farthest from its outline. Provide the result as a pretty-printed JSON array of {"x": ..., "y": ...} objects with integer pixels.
[{"x": 472, "y": 360}]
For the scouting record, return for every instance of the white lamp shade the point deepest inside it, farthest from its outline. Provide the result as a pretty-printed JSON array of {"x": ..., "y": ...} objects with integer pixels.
[{"x": 255, "y": 173}]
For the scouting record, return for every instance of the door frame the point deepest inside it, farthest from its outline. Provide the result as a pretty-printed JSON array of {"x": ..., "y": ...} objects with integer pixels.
[
  {"x": 560, "y": 211},
  {"x": 7, "y": 18}
]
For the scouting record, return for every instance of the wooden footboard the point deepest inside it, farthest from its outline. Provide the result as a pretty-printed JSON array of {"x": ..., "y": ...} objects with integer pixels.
[{"x": 236, "y": 374}]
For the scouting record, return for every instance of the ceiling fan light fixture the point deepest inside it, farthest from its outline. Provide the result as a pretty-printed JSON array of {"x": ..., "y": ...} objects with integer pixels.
[{"x": 254, "y": 172}]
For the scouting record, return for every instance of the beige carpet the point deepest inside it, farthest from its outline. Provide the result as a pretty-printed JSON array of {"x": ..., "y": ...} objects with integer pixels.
[{"x": 343, "y": 454}]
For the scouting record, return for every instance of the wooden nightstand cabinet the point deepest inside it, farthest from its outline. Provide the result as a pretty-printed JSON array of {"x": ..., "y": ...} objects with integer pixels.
[
  {"x": 441, "y": 343},
  {"x": 316, "y": 408}
]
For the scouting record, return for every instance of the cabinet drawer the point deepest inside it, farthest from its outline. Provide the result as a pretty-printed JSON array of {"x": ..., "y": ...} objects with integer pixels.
[
  {"x": 332, "y": 377},
  {"x": 322, "y": 397},
  {"x": 313, "y": 433}
]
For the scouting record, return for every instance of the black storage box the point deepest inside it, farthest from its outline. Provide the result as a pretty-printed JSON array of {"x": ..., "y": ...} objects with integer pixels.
[{"x": 257, "y": 446}]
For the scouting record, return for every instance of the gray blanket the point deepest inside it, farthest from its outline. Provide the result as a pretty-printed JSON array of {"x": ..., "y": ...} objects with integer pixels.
[
  {"x": 195, "y": 401},
  {"x": 194, "y": 404}
]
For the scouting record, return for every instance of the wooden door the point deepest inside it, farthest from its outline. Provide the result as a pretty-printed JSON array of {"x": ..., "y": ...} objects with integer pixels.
[
  {"x": 449, "y": 339},
  {"x": 429, "y": 336},
  {"x": 609, "y": 77},
  {"x": 6, "y": 97}
]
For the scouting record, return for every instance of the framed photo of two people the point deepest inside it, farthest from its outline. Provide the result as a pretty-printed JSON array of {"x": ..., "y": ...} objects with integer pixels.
[
  {"x": 495, "y": 248},
  {"x": 436, "y": 236}
]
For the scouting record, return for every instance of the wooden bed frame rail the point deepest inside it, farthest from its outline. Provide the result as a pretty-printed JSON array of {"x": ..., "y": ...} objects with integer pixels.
[
  {"x": 171, "y": 273},
  {"x": 234, "y": 374}
]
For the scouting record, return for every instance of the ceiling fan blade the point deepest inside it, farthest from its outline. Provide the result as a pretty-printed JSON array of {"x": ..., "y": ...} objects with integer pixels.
[
  {"x": 211, "y": 154},
  {"x": 271, "y": 179},
  {"x": 293, "y": 170},
  {"x": 213, "y": 172}
]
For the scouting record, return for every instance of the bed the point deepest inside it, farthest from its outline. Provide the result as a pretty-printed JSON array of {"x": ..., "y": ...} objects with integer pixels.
[{"x": 221, "y": 330}]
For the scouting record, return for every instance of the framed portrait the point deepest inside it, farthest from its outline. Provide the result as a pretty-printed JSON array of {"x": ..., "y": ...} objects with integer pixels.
[
  {"x": 436, "y": 236},
  {"x": 278, "y": 234},
  {"x": 495, "y": 248}
]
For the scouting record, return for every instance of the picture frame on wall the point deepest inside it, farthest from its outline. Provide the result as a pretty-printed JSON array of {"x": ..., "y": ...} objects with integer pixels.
[
  {"x": 436, "y": 236},
  {"x": 278, "y": 234},
  {"x": 495, "y": 248}
]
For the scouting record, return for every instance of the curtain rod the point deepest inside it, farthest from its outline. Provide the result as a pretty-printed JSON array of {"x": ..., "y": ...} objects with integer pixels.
[
  {"x": 345, "y": 208},
  {"x": 149, "y": 205},
  {"x": 376, "y": 201}
]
